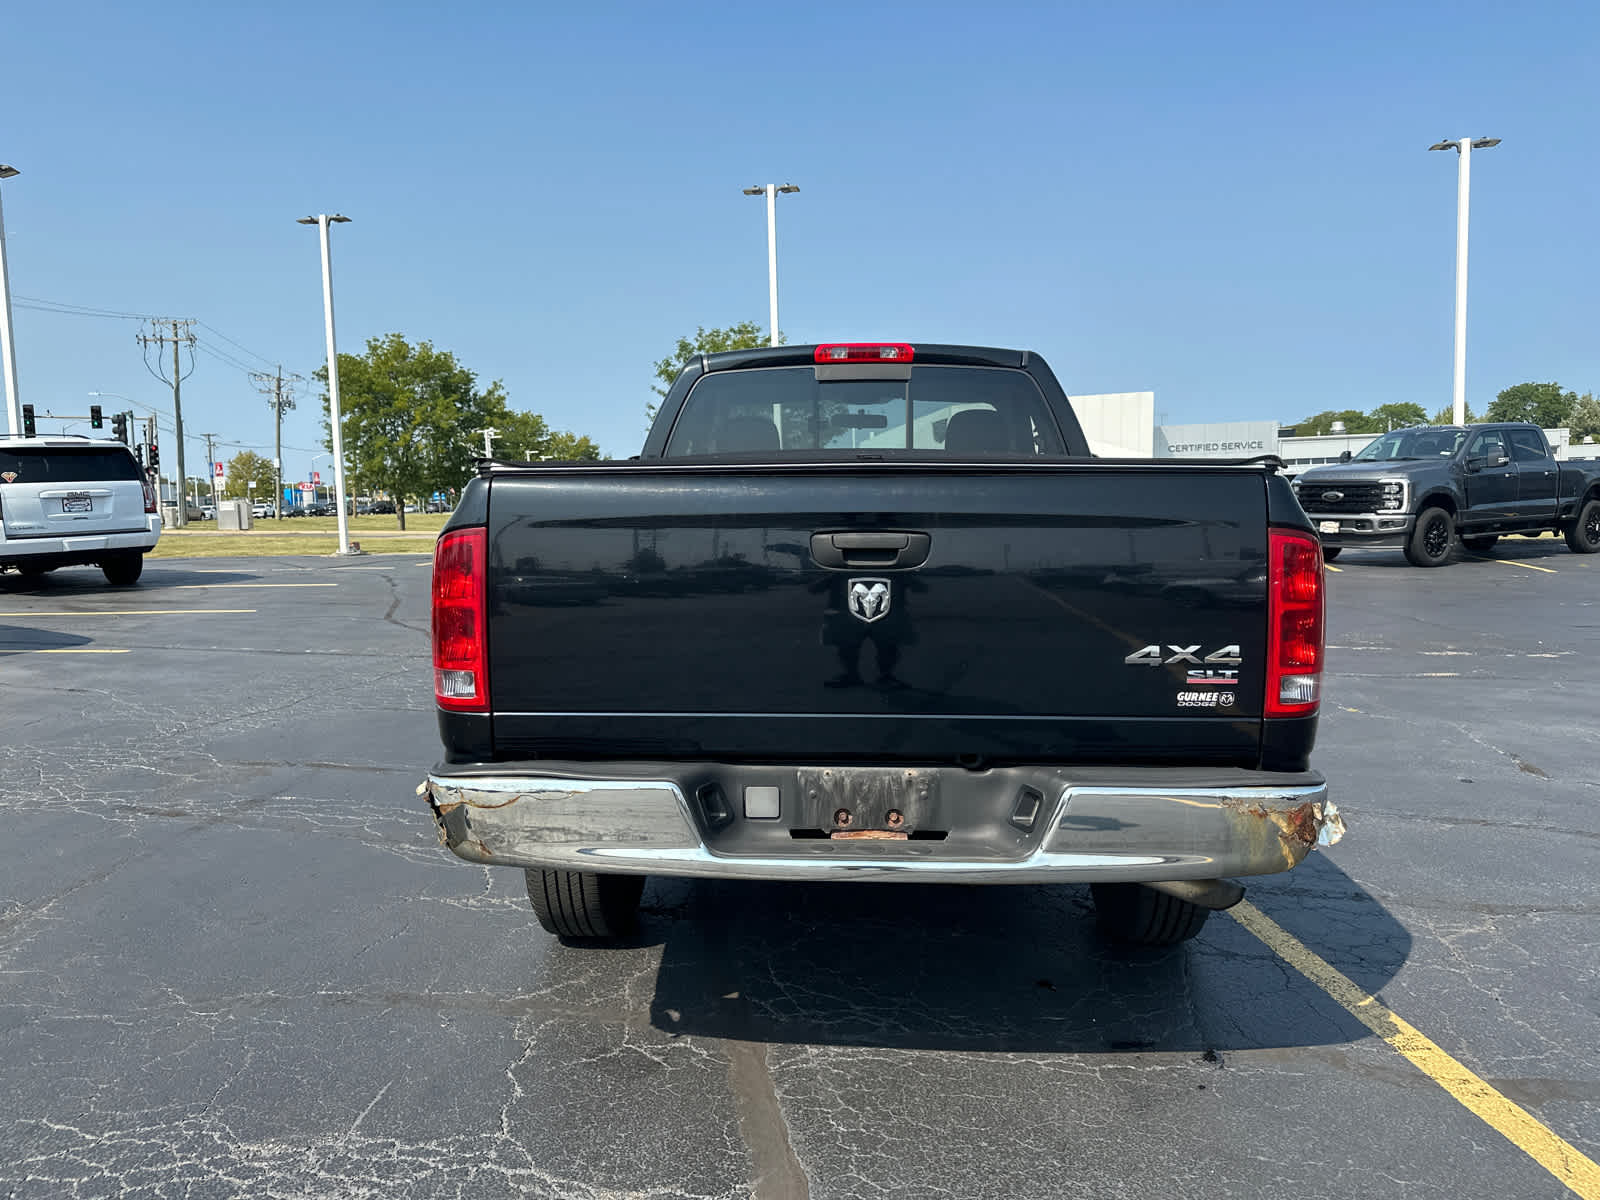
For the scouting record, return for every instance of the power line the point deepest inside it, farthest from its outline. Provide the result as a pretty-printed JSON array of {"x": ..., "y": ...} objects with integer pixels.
[
  {"x": 231, "y": 342},
  {"x": 66, "y": 309},
  {"x": 223, "y": 356}
]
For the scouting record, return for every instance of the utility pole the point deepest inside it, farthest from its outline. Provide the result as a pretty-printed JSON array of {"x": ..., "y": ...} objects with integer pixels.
[
  {"x": 279, "y": 400},
  {"x": 211, "y": 469},
  {"x": 182, "y": 335}
]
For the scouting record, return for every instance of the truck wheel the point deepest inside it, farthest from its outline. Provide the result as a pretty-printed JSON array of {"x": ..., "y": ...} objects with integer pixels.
[
  {"x": 581, "y": 904},
  {"x": 1583, "y": 535},
  {"x": 1481, "y": 544},
  {"x": 123, "y": 568},
  {"x": 1329, "y": 553},
  {"x": 1129, "y": 913},
  {"x": 1429, "y": 543}
]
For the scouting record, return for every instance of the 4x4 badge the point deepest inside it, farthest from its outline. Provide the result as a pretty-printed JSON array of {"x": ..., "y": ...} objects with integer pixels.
[{"x": 868, "y": 599}]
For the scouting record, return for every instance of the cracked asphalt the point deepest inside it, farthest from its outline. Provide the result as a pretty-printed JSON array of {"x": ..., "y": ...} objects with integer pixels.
[{"x": 235, "y": 962}]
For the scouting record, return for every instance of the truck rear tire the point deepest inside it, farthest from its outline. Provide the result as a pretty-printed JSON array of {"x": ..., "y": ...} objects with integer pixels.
[
  {"x": 584, "y": 905},
  {"x": 1583, "y": 535},
  {"x": 123, "y": 568},
  {"x": 1481, "y": 544},
  {"x": 1430, "y": 541},
  {"x": 1329, "y": 553},
  {"x": 1127, "y": 912}
]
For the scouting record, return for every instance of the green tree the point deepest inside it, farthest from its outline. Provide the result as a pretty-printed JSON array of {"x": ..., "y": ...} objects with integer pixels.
[
  {"x": 1399, "y": 415},
  {"x": 1584, "y": 420},
  {"x": 529, "y": 436},
  {"x": 569, "y": 447},
  {"x": 1545, "y": 404},
  {"x": 1354, "y": 422},
  {"x": 413, "y": 418},
  {"x": 747, "y": 335},
  {"x": 1447, "y": 416},
  {"x": 244, "y": 468}
]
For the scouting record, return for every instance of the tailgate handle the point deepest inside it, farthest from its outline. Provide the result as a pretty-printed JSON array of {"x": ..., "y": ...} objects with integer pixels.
[{"x": 884, "y": 551}]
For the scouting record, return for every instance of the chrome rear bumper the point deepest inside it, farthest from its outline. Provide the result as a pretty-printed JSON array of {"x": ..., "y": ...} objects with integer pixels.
[{"x": 1099, "y": 824}]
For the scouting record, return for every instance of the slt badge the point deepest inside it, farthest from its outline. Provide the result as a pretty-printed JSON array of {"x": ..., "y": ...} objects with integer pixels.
[{"x": 868, "y": 599}]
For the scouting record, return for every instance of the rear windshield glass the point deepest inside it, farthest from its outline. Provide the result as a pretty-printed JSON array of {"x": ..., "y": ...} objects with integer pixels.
[
  {"x": 66, "y": 464},
  {"x": 957, "y": 410}
]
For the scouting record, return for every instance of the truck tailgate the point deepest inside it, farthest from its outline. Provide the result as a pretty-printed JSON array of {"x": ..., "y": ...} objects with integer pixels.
[{"x": 1055, "y": 611}]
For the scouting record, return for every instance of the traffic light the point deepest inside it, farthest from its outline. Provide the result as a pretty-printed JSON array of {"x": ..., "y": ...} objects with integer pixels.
[
  {"x": 27, "y": 421},
  {"x": 138, "y": 452},
  {"x": 95, "y": 420},
  {"x": 119, "y": 427},
  {"x": 155, "y": 457}
]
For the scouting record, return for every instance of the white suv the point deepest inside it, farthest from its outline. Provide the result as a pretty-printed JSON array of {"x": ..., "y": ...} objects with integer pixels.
[{"x": 72, "y": 502}]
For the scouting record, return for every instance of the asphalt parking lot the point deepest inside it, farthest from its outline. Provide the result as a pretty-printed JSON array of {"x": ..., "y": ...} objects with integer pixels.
[{"x": 236, "y": 962}]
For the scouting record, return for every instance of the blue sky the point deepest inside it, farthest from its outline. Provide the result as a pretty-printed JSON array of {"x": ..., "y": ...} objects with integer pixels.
[{"x": 1228, "y": 203}]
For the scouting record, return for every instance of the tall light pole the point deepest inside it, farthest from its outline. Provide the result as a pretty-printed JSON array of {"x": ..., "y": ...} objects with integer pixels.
[
  {"x": 8, "y": 350},
  {"x": 770, "y": 191},
  {"x": 322, "y": 221},
  {"x": 1464, "y": 148}
]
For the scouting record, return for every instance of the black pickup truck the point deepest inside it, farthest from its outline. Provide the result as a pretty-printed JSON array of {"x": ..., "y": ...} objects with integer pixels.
[
  {"x": 1422, "y": 488},
  {"x": 874, "y": 612}
]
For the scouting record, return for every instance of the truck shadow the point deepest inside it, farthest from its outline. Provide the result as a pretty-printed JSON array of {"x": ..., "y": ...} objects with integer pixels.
[
  {"x": 1003, "y": 969},
  {"x": 1509, "y": 548},
  {"x": 85, "y": 581},
  {"x": 25, "y": 639}
]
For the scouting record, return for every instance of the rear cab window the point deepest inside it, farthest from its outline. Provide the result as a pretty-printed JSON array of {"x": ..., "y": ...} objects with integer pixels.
[
  {"x": 940, "y": 409},
  {"x": 67, "y": 464}
]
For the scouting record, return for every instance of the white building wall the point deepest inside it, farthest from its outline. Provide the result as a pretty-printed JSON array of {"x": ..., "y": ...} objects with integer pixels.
[{"x": 1118, "y": 424}]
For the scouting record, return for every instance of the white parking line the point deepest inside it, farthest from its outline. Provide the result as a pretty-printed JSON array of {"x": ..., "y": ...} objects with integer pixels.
[
  {"x": 180, "y": 586},
  {"x": 139, "y": 612}
]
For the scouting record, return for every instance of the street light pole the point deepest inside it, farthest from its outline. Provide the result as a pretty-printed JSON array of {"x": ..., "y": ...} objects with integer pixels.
[
  {"x": 1464, "y": 148},
  {"x": 322, "y": 221},
  {"x": 8, "y": 350},
  {"x": 770, "y": 191}
]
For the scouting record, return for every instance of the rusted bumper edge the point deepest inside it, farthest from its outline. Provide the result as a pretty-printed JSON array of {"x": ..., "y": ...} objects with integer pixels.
[{"x": 1088, "y": 830}]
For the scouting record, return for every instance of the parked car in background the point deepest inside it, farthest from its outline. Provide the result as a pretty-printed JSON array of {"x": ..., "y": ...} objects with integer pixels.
[
  {"x": 208, "y": 512},
  {"x": 380, "y": 508},
  {"x": 68, "y": 502},
  {"x": 261, "y": 508},
  {"x": 1424, "y": 487}
]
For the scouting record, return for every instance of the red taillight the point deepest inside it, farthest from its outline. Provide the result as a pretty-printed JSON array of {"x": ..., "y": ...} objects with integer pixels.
[
  {"x": 1295, "y": 630},
  {"x": 839, "y": 352},
  {"x": 460, "y": 655},
  {"x": 149, "y": 497}
]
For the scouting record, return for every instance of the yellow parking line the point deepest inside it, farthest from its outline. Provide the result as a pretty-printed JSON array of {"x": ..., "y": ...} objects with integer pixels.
[
  {"x": 1511, "y": 562},
  {"x": 1521, "y": 1128},
  {"x": 138, "y": 612},
  {"x": 1331, "y": 567},
  {"x": 181, "y": 586}
]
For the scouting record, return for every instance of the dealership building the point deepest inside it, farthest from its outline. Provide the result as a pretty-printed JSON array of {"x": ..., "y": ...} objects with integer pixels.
[{"x": 1122, "y": 425}]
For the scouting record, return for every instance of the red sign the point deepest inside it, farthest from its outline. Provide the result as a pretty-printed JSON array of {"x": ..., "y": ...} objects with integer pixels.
[
  {"x": 218, "y": 471},
  {"x": 316, "y": 477}
]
